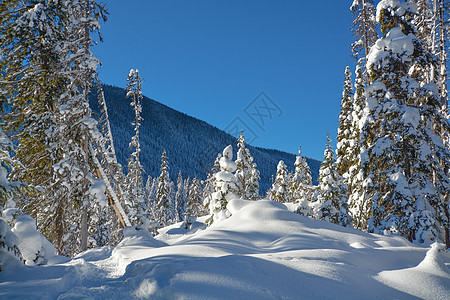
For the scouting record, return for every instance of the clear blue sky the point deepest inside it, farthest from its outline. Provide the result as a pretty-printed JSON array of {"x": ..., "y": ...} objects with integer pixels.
[{"x": 210, "y": 59}]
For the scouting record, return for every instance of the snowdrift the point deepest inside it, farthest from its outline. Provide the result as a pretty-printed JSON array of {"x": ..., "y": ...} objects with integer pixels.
[{"x": 262, "y": 251}]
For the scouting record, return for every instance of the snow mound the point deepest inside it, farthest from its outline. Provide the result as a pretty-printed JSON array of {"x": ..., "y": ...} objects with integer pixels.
[
  {"x": 430, "y": 277},
  {"x": 34, "y": 247},
  {"x": 263, "y": 251}
]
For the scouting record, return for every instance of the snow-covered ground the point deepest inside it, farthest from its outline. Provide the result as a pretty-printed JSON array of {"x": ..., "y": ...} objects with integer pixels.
[{"x": 263, "y": 251}]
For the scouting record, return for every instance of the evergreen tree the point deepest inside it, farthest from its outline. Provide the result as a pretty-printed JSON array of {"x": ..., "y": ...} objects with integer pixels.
[
  {"x": 51, "y": 75},
  {"x": 364, "y": 28},
  {"x": 246, "y": 172},
  {"x": 194, "y": 204},
  {"x": 301, "y": 180},
  {"x": 354, "y": 184},
  {"x": 344, "y": 136},
  {"x": 280, "y": 188},
  {"x": 164, "y": 211},
  {"x": 210, "y": 184},
  {"x": 10, "y": 190},
  {"x": 403, "y": 158},
  {"x": 31, "y": 83},
  {"x": 431, "y": 24},
  {"x": 134, "y": 184},
  {"x": 226, "y": 185},
  {"x": 332, "y": 199},
  {"x": 77, "y": 130},
  {"x": 151, "y": 188},
  {"x": 113, "y": 173},
  {"x": 180, "y": 199}
]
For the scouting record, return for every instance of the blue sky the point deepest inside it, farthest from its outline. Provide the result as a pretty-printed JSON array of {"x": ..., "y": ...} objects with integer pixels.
[{"x": 274, "y": 68}]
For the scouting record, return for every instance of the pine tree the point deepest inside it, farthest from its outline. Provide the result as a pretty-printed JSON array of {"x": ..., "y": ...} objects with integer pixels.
[
  {"x": 134, "y": 183},
  {"x": 79, "y": 130},
  {"x": 180, "y": 199},
  {"x": 354, "y": 184},
  {"x": 48, "y": 78},
  {"x": 364, "y": 29},
  {"x": 151, "y": 188},
  {"x": 246, "y": 172},
  {"x": 344, "y": 136},
  {"x": 108, "y": 168},
  {"x": 47, "y": 71},
  {"x": 301, "y": 185},
  {"x": 210, "y": 184},
  {"x": 164, "y": 211},
  {"x": 402, "y": 156},
  {"x": 332, "y": 199},
  {"x": 31, "y": 82},
  {"x": 431, "y": 24},
  {"x": 194, "y": 204},
  {"x": 280, "y": 188},
  {"x": 225, "y": 187}
]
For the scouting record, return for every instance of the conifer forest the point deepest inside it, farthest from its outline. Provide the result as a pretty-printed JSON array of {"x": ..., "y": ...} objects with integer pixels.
[{"x": 68, "y": 199}]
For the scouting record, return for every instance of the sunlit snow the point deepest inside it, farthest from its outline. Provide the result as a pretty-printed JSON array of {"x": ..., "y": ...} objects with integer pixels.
[{"x": 262, "y": 251}]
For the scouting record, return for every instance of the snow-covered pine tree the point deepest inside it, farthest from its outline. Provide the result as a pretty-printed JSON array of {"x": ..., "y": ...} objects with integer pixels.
[
  {"x": 8, "y": 241},
  {"x": 180, "y": 199},
  {"x": 364, "y": 29},
  {"x": 79, "y": 130},
  {"x": 134, "y": 185},
  {"x": 31, "y": 82},
  {"x": 344, "y": 135},
  {"x": 44, "y": 141},
  {"x": 164, "y": 211},
  {"x": 246, "y": 172},
  {"x": 196, "y": 196},
  {"x": 194, "y": 204},
  {"x": 210, "y": 182},
  {"x": 9, "y": 190},
  {"x": 151, "y": 189},
  {"x": 301, "y": 185},
  {"x": 366, "y": 34},
  {"x": 226, "y": 185},
  {"x": 51, "y": 74},
  {"x": 423, "y": 22},
  {"x": 332, "y": 199},
  {"x": 19, "y": 238},
  {"x": 354, "y": 185},
  {"x": 442, "y": 13},
  {"x": 431, "y": 23},
  {"x": 280, "y": 188},
  {"x": 403, "y": 157},
  {"x": 112, "y": 218}
]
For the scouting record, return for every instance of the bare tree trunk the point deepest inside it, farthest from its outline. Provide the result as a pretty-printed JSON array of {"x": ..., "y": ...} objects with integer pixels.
[{"x": 84, "y": 218}]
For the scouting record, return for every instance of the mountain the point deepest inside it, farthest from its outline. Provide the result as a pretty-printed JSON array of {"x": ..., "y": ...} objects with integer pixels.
[{"x": 192, "y": 145}]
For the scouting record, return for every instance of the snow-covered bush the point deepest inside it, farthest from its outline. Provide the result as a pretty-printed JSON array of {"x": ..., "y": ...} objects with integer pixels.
[
  {"x": 8, "y": 244},
  {"x": 34, "y": 247}
]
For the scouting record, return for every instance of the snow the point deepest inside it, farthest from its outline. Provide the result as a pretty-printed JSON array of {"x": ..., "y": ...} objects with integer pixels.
[
  {"x": 395, "y": 43},
  {"x": 396, "y": 7},
  {"x": 411, "y": 116},
  {"x": 432, "y": 272},
  {"x": 98, "y": 191},
  {"x": 33, "y": 246},
  {"x": 262, "y": 251}
]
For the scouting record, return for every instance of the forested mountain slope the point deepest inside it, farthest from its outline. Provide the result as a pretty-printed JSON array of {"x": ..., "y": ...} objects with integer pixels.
[{"x": 191, "y": 144}]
